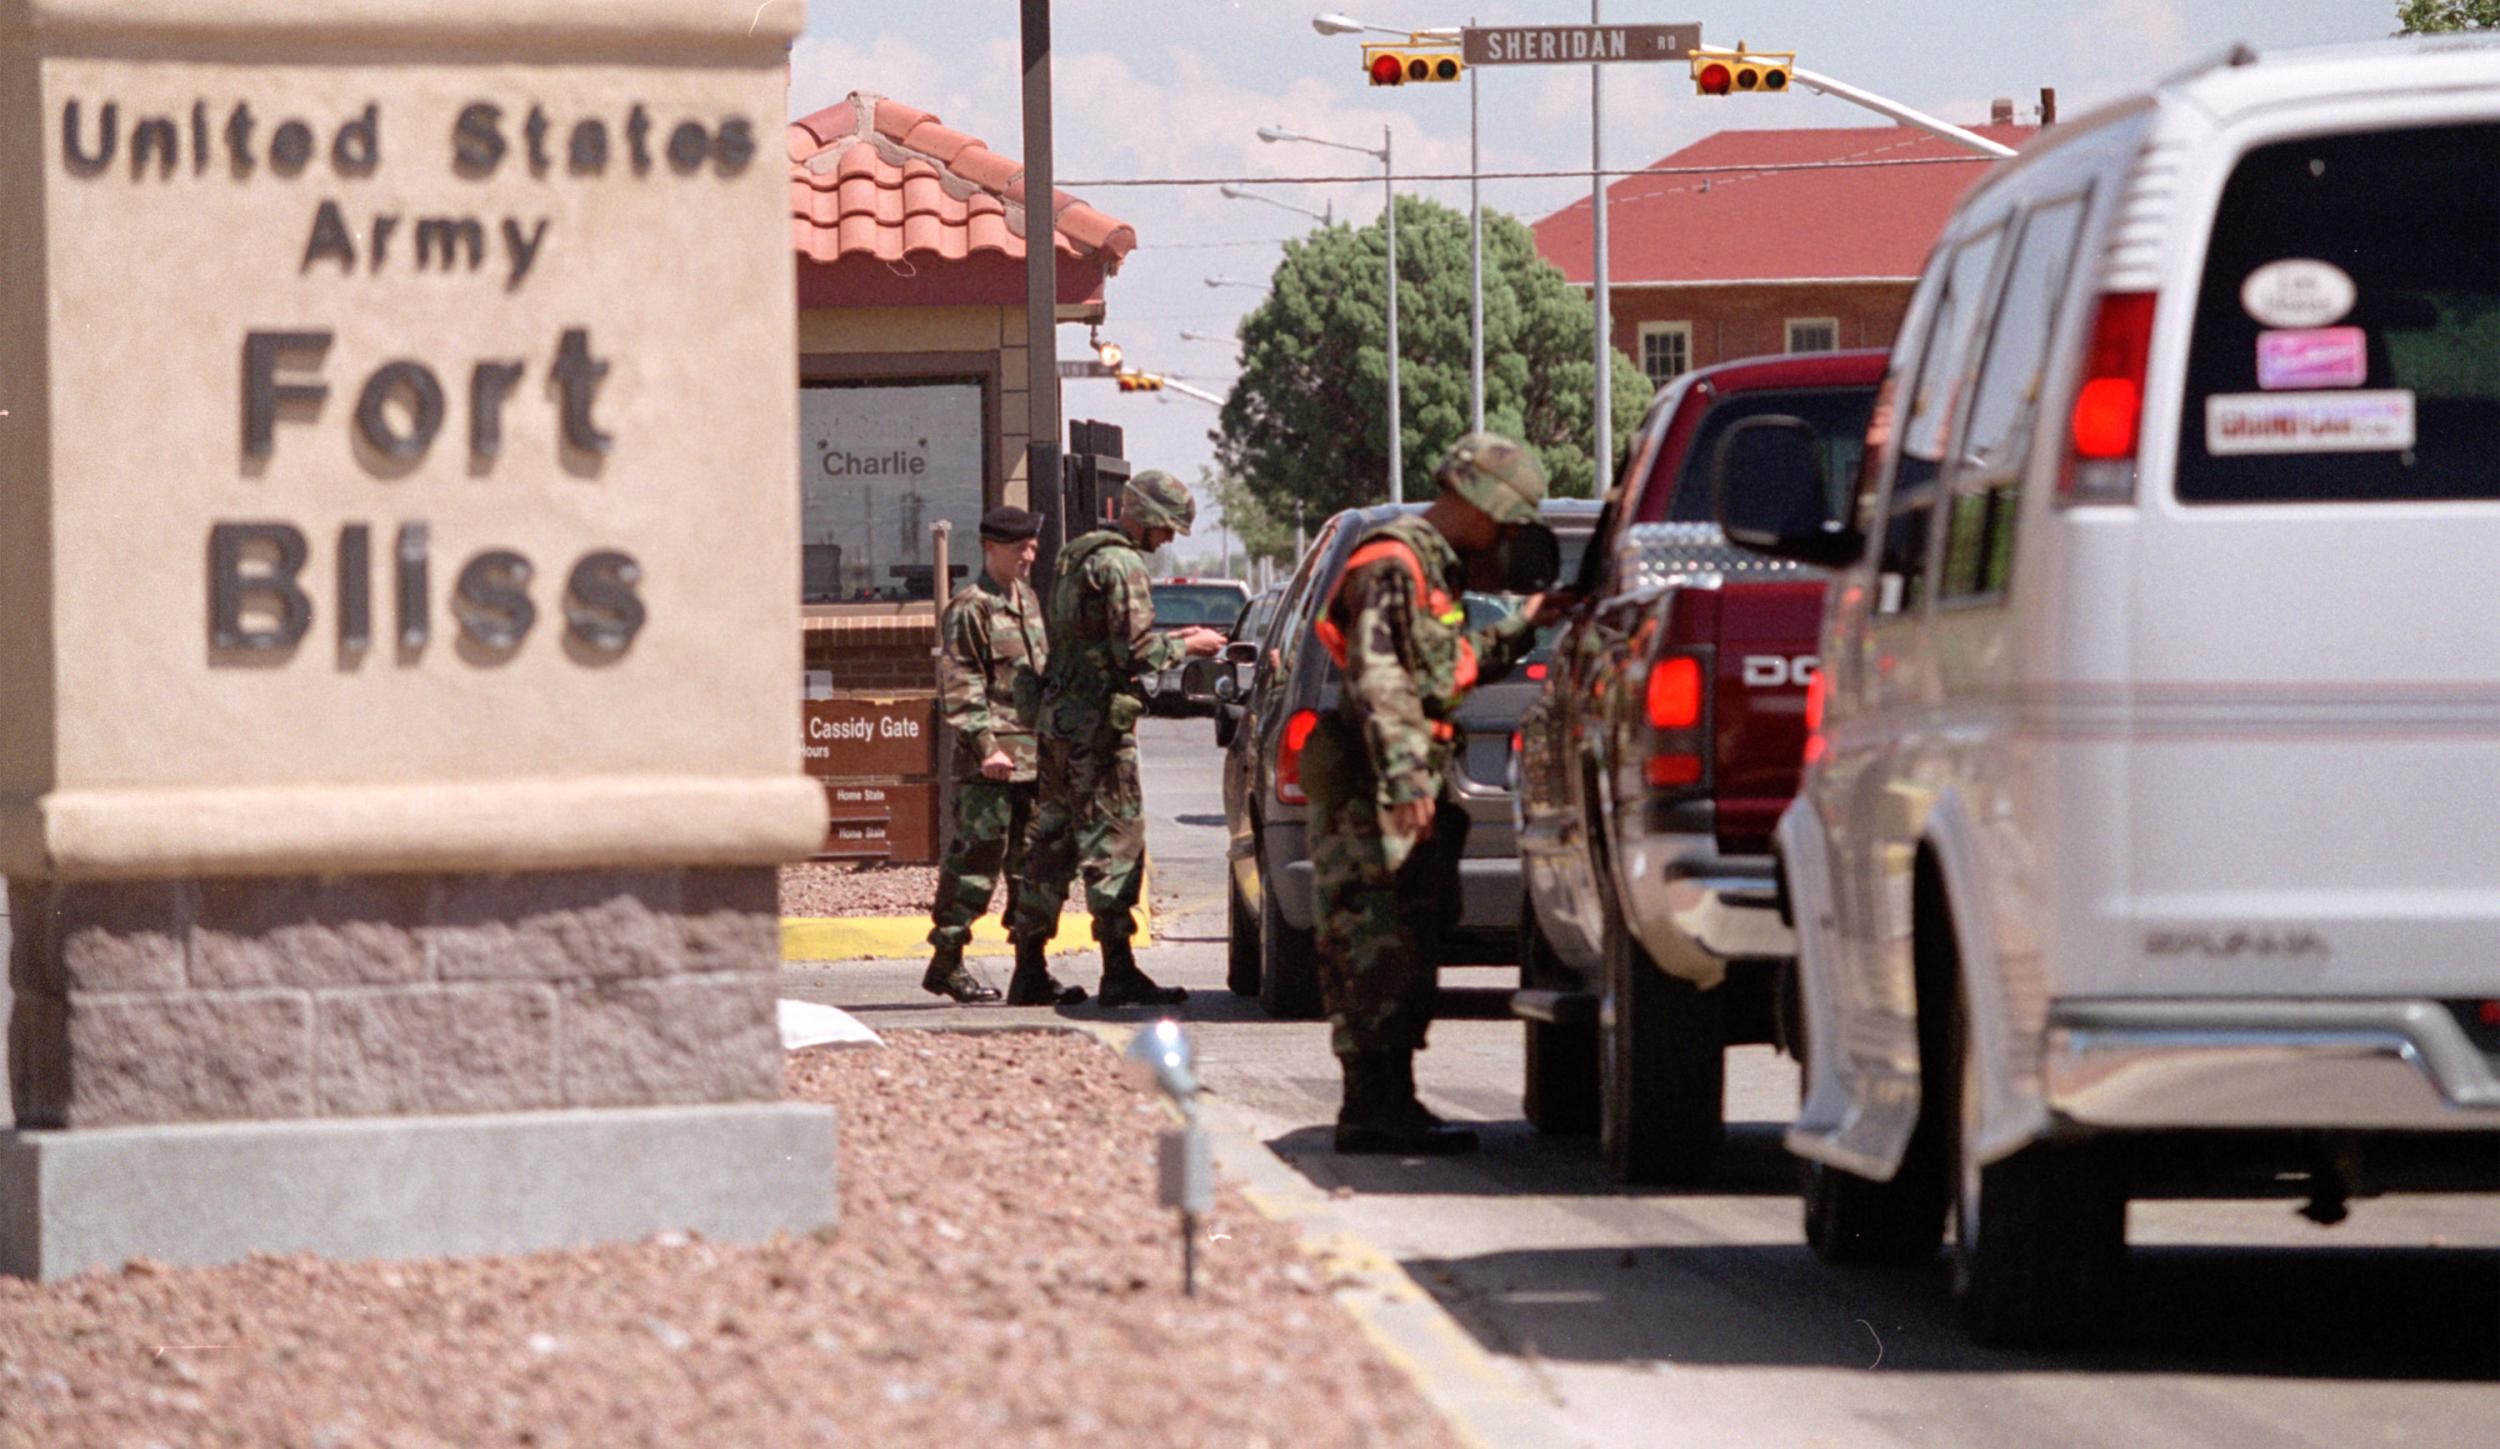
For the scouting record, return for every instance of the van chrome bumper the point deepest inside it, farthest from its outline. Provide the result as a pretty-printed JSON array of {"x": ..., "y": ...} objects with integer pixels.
[{"x": 2354, "y": 1065}]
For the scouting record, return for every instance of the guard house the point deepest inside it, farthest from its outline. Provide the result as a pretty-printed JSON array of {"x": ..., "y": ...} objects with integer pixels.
[{"x": 912, "y": 377}]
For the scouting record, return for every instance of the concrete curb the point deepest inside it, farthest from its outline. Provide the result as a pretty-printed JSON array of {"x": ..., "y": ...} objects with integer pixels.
[
  {"x": 1485, "y": 1403},
  {"x": 850, "y": 938}
]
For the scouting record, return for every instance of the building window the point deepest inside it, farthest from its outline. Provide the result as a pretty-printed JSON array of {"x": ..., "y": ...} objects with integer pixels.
[
  {"x": 879, "y": 463},
  {"x": 1813, "y": 334},
  {"x": 1666, "y": 349}
]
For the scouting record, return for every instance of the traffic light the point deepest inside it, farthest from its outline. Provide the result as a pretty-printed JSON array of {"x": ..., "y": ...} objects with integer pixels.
[
  {"x": 1140, "y": 381},
  {"x": 1719, "y": 74},
  {"x": 1395, "y": 65}
]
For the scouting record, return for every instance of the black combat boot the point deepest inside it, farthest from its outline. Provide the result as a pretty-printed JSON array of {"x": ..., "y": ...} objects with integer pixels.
[
  {"x": 1124, "y": 985},
  {"x": 948, "y": 976},
  {"x": 1381, "y": 1114},
  {"x": 1033, "y": 985}
]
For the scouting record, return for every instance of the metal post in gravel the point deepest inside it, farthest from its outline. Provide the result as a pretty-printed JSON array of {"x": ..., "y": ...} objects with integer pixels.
[{"x": 1161, "y": 1055}]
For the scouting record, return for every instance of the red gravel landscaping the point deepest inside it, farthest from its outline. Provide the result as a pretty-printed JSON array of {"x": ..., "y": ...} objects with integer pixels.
[{"x": 1000, "y": 1275}]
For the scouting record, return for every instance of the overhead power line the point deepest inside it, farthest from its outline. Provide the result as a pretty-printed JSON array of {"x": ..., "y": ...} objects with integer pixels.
[{"x": 1563, "y": 175}]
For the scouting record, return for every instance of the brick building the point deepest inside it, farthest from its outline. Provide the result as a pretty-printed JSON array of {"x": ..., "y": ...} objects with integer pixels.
[{"x": 1713, "y": 254}]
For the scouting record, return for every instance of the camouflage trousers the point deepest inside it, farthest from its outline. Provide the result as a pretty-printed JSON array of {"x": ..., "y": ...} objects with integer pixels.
[
  {"x": 1091, "y": 817},
  {"x": 991, "y": 817},
  {"x": 1379, "y": 929}
]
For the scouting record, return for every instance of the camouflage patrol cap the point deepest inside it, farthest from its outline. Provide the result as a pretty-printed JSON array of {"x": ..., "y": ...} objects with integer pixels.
[
  {"x": 1156, "y": 499},
  {"x": 1495, "y": 474}
]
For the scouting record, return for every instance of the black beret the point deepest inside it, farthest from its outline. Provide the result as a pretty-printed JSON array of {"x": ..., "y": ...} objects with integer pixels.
[{"x": 1009, "y": 525}]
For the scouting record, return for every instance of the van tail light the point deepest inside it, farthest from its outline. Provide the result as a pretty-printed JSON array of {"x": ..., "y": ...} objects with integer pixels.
[
  {"x": 2107, "y": 421},
  {"x": 1815, "y": 695},
  {"x": 1298, "y": 729},
  {"x": 1676, "y": 705}
]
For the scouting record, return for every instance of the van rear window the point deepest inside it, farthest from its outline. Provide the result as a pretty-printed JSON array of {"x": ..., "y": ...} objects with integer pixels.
[{"x": 2347, "y": 342}]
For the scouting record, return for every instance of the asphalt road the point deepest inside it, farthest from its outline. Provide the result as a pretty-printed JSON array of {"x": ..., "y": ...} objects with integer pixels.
[{"x": 1699, "y": 1317}]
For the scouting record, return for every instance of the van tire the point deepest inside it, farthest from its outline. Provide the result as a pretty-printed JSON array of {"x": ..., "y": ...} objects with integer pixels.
[
  {"x": 1559, "y": 1095},
  {"x": 1288, "y": 964},
  {"x": 1241, "y": 939},
  {"x": 2040, "y": 1236},
  {"x": 1662, "y": 1063}
]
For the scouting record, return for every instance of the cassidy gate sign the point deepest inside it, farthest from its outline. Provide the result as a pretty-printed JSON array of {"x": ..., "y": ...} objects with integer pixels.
[{"x": 1577, "y": 44}]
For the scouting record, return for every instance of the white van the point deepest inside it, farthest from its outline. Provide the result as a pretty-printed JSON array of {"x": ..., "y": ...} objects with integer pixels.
[{"x": 2150, "y": 839}]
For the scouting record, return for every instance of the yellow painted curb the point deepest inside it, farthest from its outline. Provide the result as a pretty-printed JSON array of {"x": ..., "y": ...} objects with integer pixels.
[{"x": 846, "y": 938}]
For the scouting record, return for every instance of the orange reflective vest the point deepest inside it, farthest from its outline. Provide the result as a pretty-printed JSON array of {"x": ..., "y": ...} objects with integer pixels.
[{"x": 1436, "y": 601}]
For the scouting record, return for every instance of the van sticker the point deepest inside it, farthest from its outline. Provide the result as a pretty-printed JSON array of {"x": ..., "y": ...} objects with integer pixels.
[
  {"x": 2308, "y": 422},
  {"x": 2312, "y": 357},
  {"x": 2298, "y": 292}
]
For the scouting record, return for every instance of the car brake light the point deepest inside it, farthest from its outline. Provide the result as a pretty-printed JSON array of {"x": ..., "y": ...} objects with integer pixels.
[
  {"x": 2108, "y": 416},
  {"x": 1298, "y": 729},
  {"x": 2488, "y": 1013},
  {"x": 1517, "y": 740},
  {"x": 1536, "y": 671},
  {"x": 1665, "y": 772},
  {"x": 1675, "y": 693}
]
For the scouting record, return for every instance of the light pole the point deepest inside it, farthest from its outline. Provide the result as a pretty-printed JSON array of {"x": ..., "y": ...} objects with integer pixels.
[
  {"x": 1236, "y": 282},
  {"x": 1325, "y": 217},
  {"x": 1191, "y": 335},
  {"x": 1332, "y": 23},
  {"x": 1389, "y": 223}
]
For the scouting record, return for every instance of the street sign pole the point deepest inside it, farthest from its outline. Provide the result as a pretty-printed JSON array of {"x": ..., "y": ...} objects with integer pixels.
[{"x": 1602, "y": 461}]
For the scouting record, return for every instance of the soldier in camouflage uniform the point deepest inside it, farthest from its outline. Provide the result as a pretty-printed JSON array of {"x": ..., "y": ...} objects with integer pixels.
[
  {"x": 1386, "y": 835},
  {"x": 990, "y": 688},
  {"x": 1092, "y": 813}
]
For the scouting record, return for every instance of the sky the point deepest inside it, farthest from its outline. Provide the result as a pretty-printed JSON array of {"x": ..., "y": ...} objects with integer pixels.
[{"x": 1178, "y": 88}]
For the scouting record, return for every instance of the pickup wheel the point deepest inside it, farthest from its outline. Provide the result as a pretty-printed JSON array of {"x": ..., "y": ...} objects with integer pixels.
[
  {"x": 1560, "y": 1093},
  {"x": 1241, "y": 939},
  {"x": 1288, "y": 964},
  {"x": 1662, "y": 1055},
  {"x": 2040, "y": 1236}
]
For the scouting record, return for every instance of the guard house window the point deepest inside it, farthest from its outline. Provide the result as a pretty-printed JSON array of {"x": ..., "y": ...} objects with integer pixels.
[
  {"x": 1666, "y": 350},
  {"x": 1813, "y": 334},
  {"x": 878, "y": 463}
]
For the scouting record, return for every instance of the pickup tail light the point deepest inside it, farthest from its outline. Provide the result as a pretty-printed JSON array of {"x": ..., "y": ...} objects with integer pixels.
[
  {"x": 2108, "y": 417},
  {"x": 1815, "y": 695},
  {"x": 1298, "y": 729},
  {"x": 1675, "y": 703}
]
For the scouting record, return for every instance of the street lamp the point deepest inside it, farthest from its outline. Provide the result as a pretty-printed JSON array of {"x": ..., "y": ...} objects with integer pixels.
[
  {"x": 1389, "y": 222},
  {"x": 1191, "y": 335},
  {"x": 1236, "y": 282},
  {"x": 1329, "y": 22},
  {"x": 1327, "y": 217}
]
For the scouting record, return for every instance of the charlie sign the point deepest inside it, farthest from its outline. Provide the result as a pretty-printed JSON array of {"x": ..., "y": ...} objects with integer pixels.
[{"x": 390, "y": 418}]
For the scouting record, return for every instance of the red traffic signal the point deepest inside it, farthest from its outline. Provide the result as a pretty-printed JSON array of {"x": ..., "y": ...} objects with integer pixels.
[
  {"x": 1395, "y": 65},
  {"x": 1140, "y": 381},
  {"x": 1713, "y": 78},
  {"x": 1388, "y": 70},
  {"x": 1765, "y": 73}
]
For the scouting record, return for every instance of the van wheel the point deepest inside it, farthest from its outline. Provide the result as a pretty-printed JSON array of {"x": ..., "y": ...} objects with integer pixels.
[
  {"x": 1241, "y": 939},
  {"x": 1857, "y": 1222},
  {"x": 1288, "y": 964},
  {"x": 1662, "y": 1064},
  {"x": 1560, "y": 1092},
  {"x": 2040, "y": 1236}
]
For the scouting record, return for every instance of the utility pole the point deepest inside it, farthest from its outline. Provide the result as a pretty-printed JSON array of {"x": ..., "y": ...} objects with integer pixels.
[
  {"x": 1041, "y": 292},
  {"x": 1475, "y": 259},
  {"x": 1603, "y": 460}
]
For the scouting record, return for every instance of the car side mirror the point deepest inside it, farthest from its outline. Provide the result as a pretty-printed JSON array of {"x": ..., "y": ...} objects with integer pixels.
[
  {"x": 1771, "y": 495},
  {"x": 1214, "y": 681}
]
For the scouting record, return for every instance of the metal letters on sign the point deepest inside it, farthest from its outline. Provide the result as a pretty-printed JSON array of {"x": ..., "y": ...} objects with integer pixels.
[
  {"x": 1577, "y": 44},
  {"x": 1086, "y": 368},
  {"x": 851, "y": 738}
]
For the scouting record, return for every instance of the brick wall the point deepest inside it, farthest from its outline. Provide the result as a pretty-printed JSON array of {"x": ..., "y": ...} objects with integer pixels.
[
  {"x": 1733, "y": 322},
  {"x": 360, "y": 996},
  {"x": 883, "y": 651}
]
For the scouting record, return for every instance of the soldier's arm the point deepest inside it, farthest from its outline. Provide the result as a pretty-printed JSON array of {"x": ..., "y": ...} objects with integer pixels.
[
  {"x": 963, "y": 680},
  {"x": 1129, "y": 618},
  {"x": 1500, "y": 645},
  {"x": 1379, "y": 611}
]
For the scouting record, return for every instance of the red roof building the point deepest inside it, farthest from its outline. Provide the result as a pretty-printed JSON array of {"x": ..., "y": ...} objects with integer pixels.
[
  {"x": 1714, "y": 255},
  {"x": 891, "y": 207}
]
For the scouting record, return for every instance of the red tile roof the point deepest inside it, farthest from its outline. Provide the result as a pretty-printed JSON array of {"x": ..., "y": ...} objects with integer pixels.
[
  {"x": 875, "y": 179},
  {"x": 1736, "y": 223}
]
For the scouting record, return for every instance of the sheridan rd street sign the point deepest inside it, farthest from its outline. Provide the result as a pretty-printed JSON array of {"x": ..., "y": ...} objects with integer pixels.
[{"x": 1577, "y": 44}]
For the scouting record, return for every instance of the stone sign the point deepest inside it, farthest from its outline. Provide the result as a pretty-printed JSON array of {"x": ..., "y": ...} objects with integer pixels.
[{"x": 398, "y": 541}]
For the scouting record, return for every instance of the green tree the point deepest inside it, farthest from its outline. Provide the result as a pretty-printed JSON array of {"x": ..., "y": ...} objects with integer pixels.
[
  {"x": 1262, "y": 533},
  {"x": 2425, "y": 17},
  {"x": 1306, "y": 422}
]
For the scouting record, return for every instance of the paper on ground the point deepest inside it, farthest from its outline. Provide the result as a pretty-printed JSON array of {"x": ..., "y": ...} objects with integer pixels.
[{"x": 811, "y": 1023}]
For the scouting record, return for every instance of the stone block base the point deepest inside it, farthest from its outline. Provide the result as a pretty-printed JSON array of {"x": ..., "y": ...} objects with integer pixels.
[{"x": 410, "y": 1187}]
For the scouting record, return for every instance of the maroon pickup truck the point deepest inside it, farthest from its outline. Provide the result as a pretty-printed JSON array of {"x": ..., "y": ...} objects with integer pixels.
[{"x": 1652, "y": 770}]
